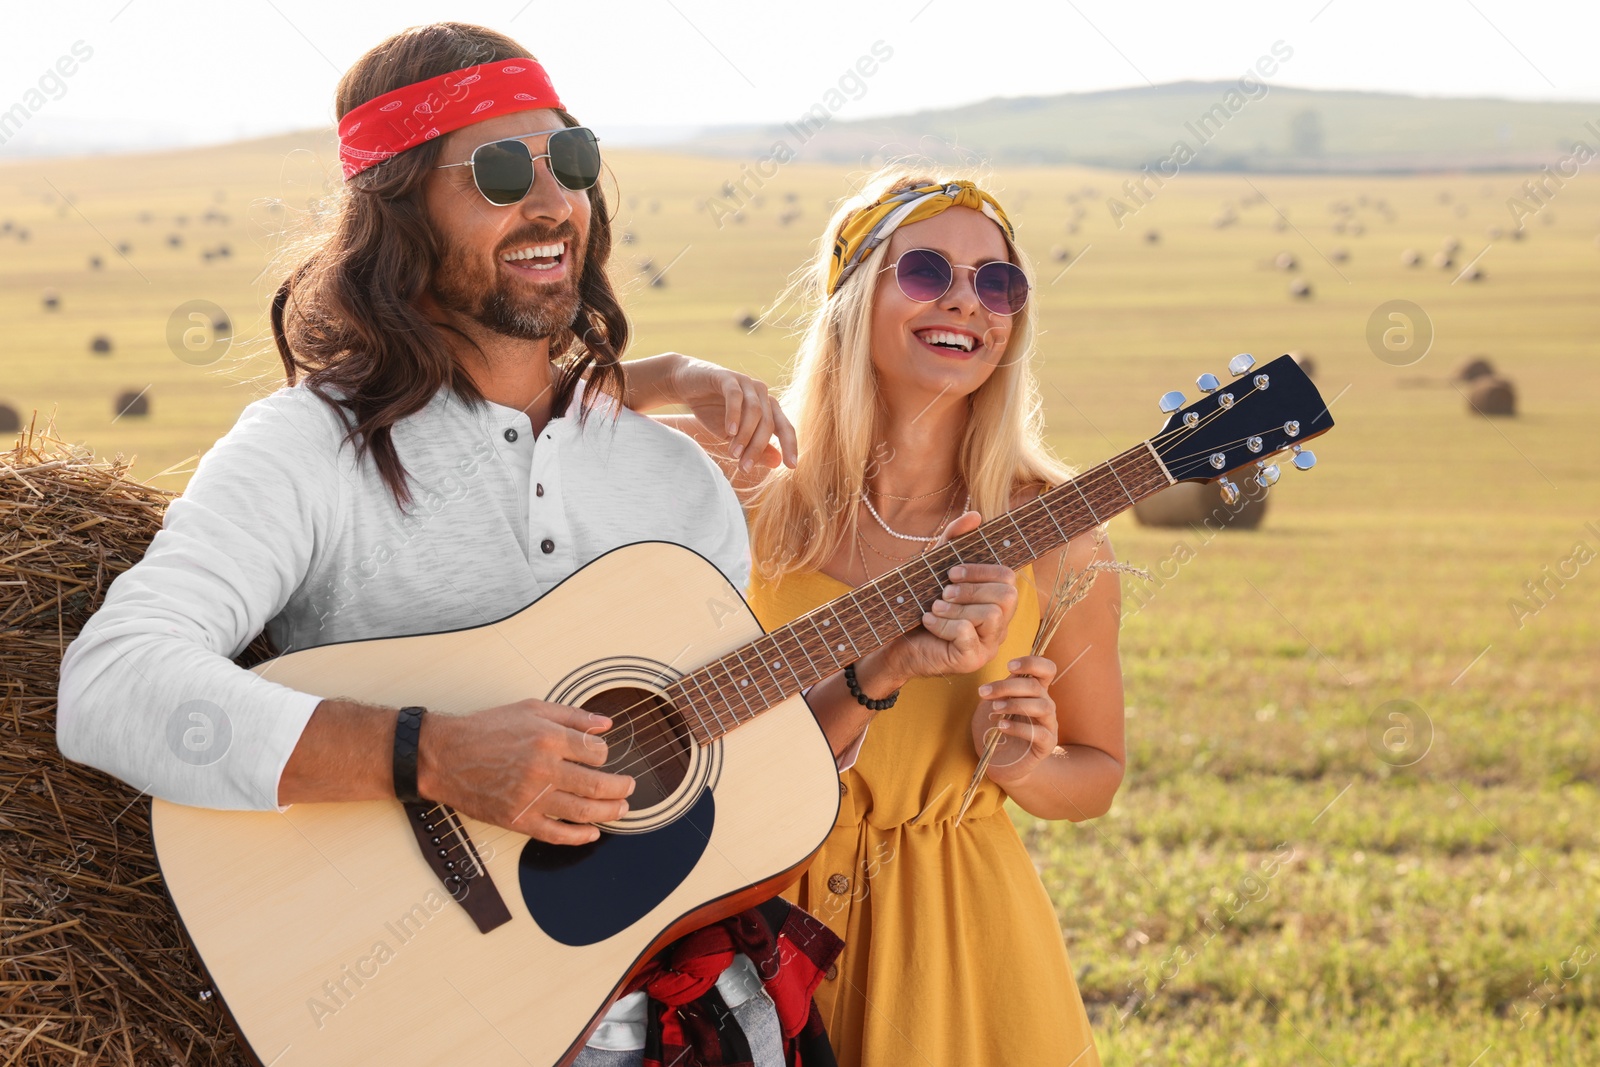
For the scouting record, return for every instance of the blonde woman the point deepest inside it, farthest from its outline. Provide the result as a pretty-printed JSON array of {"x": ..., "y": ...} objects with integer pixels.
[{"x": 914, "y": 403}]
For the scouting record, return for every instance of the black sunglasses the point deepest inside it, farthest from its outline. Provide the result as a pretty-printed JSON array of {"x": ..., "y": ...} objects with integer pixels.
[
  {"x": 503, "y": 170},
  {"x": 925, "y": 275}
]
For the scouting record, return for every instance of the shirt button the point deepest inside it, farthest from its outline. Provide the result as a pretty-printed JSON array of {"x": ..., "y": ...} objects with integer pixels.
[
  {"x": 843, "y": 789},
  {"x": 511, "y": 434},
  {"x": 832, "y": 972},
  {"x": 547, "y": 546},
  {"x": 538, "y": 489},
  {"x": 838, "y": 883}
]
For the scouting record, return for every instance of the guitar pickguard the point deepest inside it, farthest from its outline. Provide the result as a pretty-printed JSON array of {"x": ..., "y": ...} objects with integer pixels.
[{"x": 583, "y": 894}]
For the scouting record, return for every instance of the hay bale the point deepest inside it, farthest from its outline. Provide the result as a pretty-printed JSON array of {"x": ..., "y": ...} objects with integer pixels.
[
  {"x": 95, "y": 263},
  {"x": 1300, "y": 289},
  {"x": 51, "y": 300},
  {"x": 1443, "y": 260},
  {"x": 627, "y": 237},
  {"x": 1200, "y": 504},
  {"x": 1339, "y": 255},
  {"x": 1451, "y": 245},
  {"x": 132, "y": 403},
  {"x": 1153, "y": 237},
  {"x": 659, "y": 281},
  {"x": 1410, "y": 258},
  {"x": 10, "y": 421},
  {"x": 1473, "y": 273},
  {"x": 1305, "y": 363},
  {"x": 93, "y": 962},
  {"x": 174, "y": 241},
  {"x": 1492, "y": 396},
  {"x": 746, "y": 321},
  {"x": 1059, "y": 254},
  {"x": 101, "y": 345},
  {"x": 1280, "y": 224},
  {"x": 1475, "y": 368},
  {"x": 1285, "y": 261}
]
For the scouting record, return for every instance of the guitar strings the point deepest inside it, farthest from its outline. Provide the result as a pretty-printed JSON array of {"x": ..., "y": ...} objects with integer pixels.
[
  {"x": 647, "y": 757},
  {"x": 1103, "y": 480}
]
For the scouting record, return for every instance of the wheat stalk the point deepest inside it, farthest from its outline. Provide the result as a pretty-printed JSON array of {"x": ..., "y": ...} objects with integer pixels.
[{"x": 1063, "y": 595}]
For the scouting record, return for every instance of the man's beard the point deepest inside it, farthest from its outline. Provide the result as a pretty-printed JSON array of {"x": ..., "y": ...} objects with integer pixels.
[{"x": 460, "y": 287}]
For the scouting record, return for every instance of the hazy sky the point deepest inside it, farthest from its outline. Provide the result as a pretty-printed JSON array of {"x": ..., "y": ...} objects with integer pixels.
[{"x": 208, "y": 71}]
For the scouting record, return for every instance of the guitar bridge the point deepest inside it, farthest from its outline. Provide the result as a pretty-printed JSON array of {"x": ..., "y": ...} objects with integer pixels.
[{"x": 449, "y": 850}]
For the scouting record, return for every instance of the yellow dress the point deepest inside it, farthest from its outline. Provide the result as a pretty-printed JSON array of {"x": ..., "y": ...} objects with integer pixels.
[{"x": 953, "y": 954}]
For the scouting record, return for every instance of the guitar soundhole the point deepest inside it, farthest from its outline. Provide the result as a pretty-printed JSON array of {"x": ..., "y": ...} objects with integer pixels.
[{"x": 647, "y": 740}]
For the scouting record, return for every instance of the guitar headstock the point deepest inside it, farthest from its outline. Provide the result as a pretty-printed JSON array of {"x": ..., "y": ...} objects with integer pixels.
[{"x": 1243, "y": 423}]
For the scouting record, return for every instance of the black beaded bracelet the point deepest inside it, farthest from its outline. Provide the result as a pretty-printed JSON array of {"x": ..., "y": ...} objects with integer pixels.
[
  {"x": 407, "y": 736},
  {"x": 861, "y": 698}
]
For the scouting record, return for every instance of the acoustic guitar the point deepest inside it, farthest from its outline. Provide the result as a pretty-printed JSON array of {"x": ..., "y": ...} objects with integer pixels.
[{"x": 387, "y": 934}]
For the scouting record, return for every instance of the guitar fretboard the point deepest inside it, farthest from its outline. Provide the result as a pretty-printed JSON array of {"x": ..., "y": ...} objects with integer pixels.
[{"x": 744, "y": 683}]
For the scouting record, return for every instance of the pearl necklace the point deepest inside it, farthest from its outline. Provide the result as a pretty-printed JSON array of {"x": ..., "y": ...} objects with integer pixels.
[{"x": 892, "y": 532}]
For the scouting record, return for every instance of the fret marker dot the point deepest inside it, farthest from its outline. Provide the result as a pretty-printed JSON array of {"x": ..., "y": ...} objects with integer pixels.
[
  {"x": 899, "y": 600},
  {"x": 841, "y": 648},
  {"x": 1006, "y": 543},
  {"x": 744, "y": 681}
]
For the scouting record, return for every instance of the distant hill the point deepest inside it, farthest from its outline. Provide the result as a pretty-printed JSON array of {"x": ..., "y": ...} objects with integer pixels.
[{"x": 1263, "y": 128}]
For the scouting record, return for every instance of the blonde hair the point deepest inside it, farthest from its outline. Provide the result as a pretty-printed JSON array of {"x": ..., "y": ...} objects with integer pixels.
[{"x": 798, "y": 518}]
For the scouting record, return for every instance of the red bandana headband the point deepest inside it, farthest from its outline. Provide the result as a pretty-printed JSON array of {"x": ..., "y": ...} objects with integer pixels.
[{"x": 387, "y": 125}]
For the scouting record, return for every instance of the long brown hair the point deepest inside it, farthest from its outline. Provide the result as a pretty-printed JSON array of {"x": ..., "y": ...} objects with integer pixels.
[{"x": 347, "y": 315}]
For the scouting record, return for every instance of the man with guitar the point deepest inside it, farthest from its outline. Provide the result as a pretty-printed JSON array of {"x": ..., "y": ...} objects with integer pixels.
[{"x": 456, "y": 328}]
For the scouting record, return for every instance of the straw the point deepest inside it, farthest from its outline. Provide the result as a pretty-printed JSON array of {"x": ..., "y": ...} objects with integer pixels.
[
  {"x": 94, "y": 966},
  {"x": 1068, "y": 588}
]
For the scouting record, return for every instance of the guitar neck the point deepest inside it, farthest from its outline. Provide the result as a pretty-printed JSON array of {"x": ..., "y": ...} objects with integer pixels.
[{"x": 744, "y": 683}]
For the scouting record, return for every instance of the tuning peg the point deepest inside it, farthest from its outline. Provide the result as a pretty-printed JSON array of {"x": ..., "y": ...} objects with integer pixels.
[
  {"x": 1241, "y": 364},
  {"x": 1304, "y": 458},
  {"x": 1267, "y": 476},
  {"x": 1171, "y": 402},
  {"x": 1208, "y": 383},
  {"x": 1230, "y": 492}
]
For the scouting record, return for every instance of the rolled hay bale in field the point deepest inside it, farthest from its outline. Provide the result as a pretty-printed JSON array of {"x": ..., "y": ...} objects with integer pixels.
[
  {"x": 1305, "y": 363},
  {"x": 1492, "y": 396},
  {"x": 1451, "y": 245},
  {"x": 1200, "y": 504},
  {"x": 135, "y": 404},
  {"x": 1473, "y": 273},
  {"x": 95, "y": 263},
  {"x": 1339, "y": 255},
  {"x": 746, "y": 321},
  {"x": 51, "y": 300},
  {"x": 1285, "y": 261},
  {"x": 1443, "y": 260},
  {"x": 10, "y": 421},
  {"x": 1152, "y": 237},
  {"x": 1475, "y": 368},
  {"x": 94, "y": 965},
  {"x": 1300, "y": 289},
  {"x": 1059, "y": 254},
  {"x": 1411, "y": 258},
  {"x": 627, "y": 237},
  {"x": 101, "y": 345}
]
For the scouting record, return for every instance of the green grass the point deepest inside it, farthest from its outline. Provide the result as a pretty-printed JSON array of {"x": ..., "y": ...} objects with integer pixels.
[{"x": 1428, "y": 910}]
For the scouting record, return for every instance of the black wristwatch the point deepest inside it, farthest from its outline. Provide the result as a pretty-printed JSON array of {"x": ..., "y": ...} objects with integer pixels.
[{"x": 407, "y": 733}]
